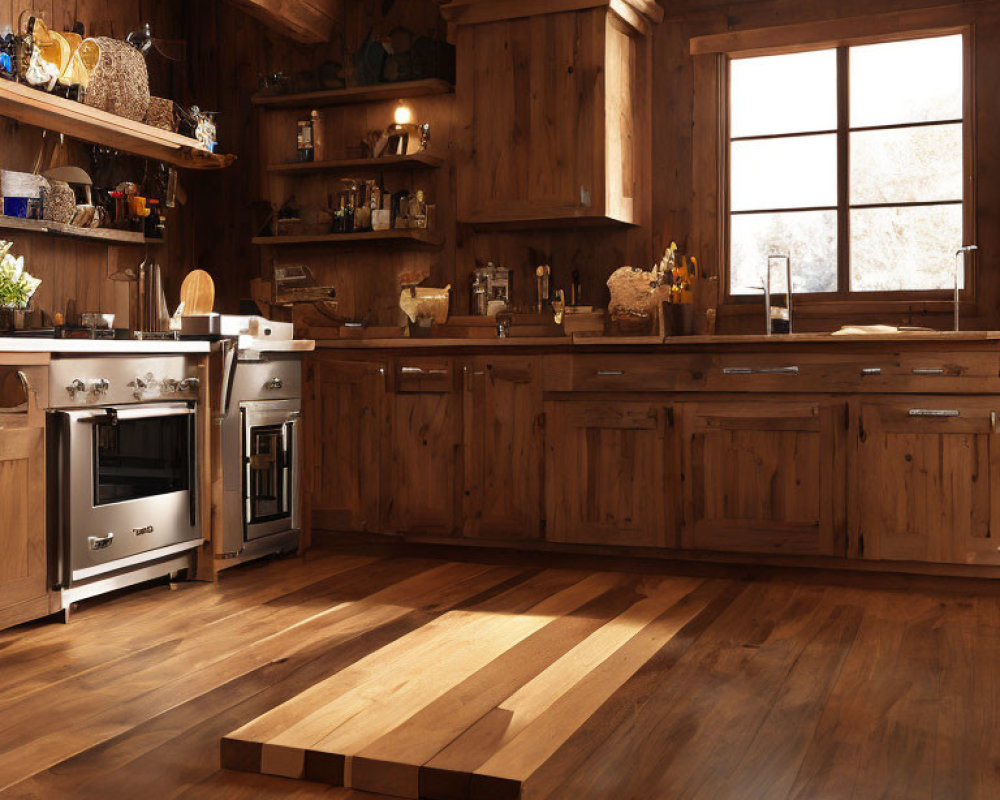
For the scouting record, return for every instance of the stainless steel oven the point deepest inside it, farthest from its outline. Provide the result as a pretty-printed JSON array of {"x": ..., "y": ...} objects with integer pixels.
[
  {"x": 123, "y": 466},
  {"x": 270, "y": 478},
  {"x": 129, "y": 482}
]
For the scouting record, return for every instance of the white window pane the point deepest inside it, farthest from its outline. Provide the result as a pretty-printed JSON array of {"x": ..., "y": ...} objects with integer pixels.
[
  {"x": 913, "y": 81},
  {"x": 907, "y": 165},
  {"x": 800, "y": 172},
  {"x": 794, "y": 93},
  {"x": 808, "y": 237},
  {"x": 899, "y": 249}
]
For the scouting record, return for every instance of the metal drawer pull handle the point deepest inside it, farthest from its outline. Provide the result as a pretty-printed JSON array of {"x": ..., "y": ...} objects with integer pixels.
[
  {"x": 421, "y": 371},
  {"x": 274, "y": 383},
  {"x": 779, "y": 371},
  {"x": 760, "y": 371},
  {"x": 100, "y": 542},
  {"x": 927, "y": 371},
  {"x": 608, "y": 373},
  {"x": 935, "y": 412},
  {"x": 871, "y": 371}
]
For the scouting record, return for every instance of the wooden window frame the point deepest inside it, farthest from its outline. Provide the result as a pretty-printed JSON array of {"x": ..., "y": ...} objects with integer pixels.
[{"x": 840, "y": 35}]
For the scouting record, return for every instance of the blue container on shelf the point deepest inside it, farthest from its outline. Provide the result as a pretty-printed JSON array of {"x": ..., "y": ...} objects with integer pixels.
[{"x": 15, "y": 207}]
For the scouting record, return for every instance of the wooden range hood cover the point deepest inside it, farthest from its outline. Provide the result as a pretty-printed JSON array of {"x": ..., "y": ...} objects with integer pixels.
[
  {"x": 306, "y": 21},
  {"x": 640, "y": 14}
]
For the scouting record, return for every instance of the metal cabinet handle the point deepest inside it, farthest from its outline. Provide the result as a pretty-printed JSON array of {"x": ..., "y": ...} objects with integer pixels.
[
  {"x": 421, "y": 371},
  {"x": 274, "y": 383},
  {"x": 867, "y": 371},
  {"x": 793, "y": 370},
  {"x": 609, "y": 373},
  {"x": 927, "y": 371},
  {"x": 935, "y": 412}
]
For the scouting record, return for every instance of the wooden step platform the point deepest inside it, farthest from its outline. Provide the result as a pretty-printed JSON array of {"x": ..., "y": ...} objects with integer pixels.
[{"x": 473, "y": 703}]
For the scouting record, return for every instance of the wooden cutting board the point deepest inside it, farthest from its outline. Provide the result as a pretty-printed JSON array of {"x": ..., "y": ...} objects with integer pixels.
[{"x": 198, "y": 293}]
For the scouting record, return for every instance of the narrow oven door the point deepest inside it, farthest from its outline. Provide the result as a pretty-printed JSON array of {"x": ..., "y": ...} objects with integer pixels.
[
  {"x": 270, "y": 451},
  {"x": 127, "y": 484}
]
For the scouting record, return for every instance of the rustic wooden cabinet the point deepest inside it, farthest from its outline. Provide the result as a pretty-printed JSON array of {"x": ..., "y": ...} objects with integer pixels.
[
  {"x": 554, "y": 102},
  {"x": 420, "y": 493},
  {"x": 503, "y": 448},
  {"x": 24, "y": 591},
  {"x": 606, "y": 472},
  {"x": 763, "y": 475},
  {"x": 347, "y": 425},
  {"x": 925, "y": 479}
]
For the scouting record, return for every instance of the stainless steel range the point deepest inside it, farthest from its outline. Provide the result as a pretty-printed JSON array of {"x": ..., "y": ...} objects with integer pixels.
[
  {"x": 123, "y": 467},
  {"x": 261, "y": 402}
]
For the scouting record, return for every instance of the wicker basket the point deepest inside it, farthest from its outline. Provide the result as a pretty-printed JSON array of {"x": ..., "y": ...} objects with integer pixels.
[
  {"x": 59, "y": 202},
  {"x": 119, "y": 81},
  {"x": 161, "y": 114}
]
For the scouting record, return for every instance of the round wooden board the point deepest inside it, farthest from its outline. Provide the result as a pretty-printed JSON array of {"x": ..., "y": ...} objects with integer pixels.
[{"x": 198, "y": 293}]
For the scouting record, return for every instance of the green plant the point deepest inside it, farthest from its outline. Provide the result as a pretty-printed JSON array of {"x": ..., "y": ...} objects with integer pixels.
[{"x": 16, "y": 285}]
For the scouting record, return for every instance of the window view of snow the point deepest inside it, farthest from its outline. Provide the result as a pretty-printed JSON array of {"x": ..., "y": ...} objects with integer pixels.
[{"x": 904, "y": 170}]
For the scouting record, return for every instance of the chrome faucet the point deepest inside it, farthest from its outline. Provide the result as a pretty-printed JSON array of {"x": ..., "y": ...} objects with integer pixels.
[
  {"x": 959, "y": 263},
  {"x": 768, "y": 321}
]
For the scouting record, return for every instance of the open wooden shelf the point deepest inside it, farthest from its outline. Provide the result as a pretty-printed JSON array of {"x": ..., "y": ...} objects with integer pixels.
[
  {"x": 400, "y": 235},
  {"x": 414, "y": 161},
  {"x": 378, "y": 93},
  {"x": 34, "y": 107},
  {"x": 108, "y": 235}
]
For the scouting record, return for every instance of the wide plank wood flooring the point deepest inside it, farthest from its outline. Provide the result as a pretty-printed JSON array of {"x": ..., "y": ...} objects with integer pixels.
[{"x": 413, "y": 674}]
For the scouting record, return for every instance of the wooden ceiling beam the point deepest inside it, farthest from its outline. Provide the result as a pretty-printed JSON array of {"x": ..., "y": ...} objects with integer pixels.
[
  {"x": 471, "y": 12},
  {"x": 306, "y": 21}
]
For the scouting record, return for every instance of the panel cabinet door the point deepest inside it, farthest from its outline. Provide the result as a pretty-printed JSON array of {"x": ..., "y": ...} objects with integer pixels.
[
  {"x": 503, "y": 448},
  {"x": 23, "y": 555},
  {"x": 925, "y": 473},
  {"x": 346, "y": 421},
  {"x": 421, "y": 492},
  {"x": 763, "y": 476},
  {"x": 605, "y": 472}
]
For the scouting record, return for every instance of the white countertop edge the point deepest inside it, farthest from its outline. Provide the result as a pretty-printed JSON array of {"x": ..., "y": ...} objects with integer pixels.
[
  {"x": 276, "y": 345},
  {"x": 16, "y": 344}
]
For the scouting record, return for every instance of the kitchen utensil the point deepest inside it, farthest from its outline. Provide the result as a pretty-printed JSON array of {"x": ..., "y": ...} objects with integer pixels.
[
  {"x": 101, "y": 322},
  {"x": 198, "y": 293}
]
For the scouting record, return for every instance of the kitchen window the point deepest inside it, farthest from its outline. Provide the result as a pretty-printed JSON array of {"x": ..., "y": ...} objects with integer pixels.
[{"x": 851, "y": 160}]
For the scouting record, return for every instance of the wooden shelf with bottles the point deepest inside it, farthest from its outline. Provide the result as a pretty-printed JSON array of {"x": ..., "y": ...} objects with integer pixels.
[
  {"x": 402, "y": 236},
  {"x": 105, "y": 235},
  {"x": 356, "y": 95},
  {"x": 80, "y": 121},
  {"x": 385, "y": 163}
]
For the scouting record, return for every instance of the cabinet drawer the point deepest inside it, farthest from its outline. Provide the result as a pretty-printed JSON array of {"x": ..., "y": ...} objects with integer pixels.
[
  {"x": 423, "y": 375},
  {"x": 638, "y": 373},
  {"x": 854, "y": 372}
]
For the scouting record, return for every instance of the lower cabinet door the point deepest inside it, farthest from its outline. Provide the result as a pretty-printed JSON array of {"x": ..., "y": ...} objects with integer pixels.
[
  {"x": 421, "y": 463},
  {"x": 23, "y": 558},
  {"x": 345, "y": 421},
  {"x": 763, "y": 476},
  {"x": 502, "y": 448},
  {"x": 605, "y": 472},
  {"x": 924, "y": 479}
]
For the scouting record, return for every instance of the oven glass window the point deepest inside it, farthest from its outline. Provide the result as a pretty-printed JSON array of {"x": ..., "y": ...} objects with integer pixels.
[
  {"x": 141, "y": 458},
  {"x": 266, "y": 474}
]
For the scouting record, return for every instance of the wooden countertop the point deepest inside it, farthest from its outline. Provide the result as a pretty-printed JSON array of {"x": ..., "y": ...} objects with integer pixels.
[
  {"x": 26, "y": 344},
  {"x": 656, "y": 341}
]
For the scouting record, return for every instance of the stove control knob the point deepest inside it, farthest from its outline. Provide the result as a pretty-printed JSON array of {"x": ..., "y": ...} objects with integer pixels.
[
  {"x": 100, "y": 386},
  {"x": 76, "y": 386},
  {"x": 190, "y": 384}
]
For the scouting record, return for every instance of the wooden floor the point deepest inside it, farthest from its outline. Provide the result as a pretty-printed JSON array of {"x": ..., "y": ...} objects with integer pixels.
[{"x": 467, "y": 679}]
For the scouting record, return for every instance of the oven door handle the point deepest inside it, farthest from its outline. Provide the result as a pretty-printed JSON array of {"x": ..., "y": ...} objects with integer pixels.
[{"x": 100, "y": 416}]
